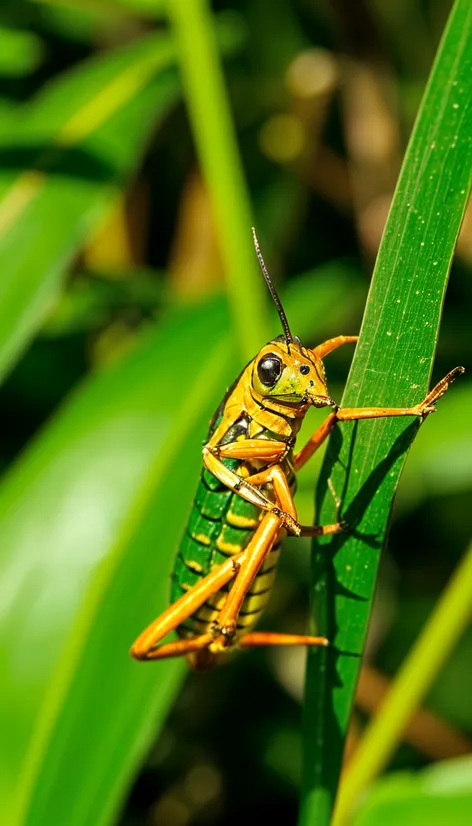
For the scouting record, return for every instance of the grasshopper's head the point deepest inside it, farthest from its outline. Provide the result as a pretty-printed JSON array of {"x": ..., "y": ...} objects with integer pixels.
[
  {"x": 284, "y": 371},
  {"x": 290, "y": 374}
]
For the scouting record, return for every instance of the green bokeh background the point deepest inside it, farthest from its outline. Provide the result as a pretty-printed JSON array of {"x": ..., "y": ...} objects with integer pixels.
[{"x": 117, "y": 340}]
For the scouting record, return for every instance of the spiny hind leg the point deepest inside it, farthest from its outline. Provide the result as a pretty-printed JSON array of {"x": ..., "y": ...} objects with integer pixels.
[
  {"x": 145, "y": 647},
  {"x": 176, "y": 648},
  {"x": 257, "y": 550}
]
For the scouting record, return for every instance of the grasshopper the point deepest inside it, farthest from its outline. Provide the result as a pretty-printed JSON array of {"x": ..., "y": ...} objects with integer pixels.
[{"x": 226, "y": 564}]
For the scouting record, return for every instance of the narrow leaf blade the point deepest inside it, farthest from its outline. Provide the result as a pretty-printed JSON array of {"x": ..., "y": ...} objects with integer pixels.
[{"x": 391, "y": 367}]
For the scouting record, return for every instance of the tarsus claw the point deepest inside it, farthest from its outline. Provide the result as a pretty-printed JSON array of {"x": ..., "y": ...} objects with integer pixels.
[{"x": 427, "y": 406}]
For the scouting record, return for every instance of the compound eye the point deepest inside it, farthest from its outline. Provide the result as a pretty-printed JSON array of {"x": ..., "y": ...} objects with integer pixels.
[{"x": 269, "y": 369}]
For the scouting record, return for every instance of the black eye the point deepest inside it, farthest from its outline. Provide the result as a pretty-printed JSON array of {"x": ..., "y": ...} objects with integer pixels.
[
  {"x": 304, "y": 369},
  {"x": 269, "y": 369}
]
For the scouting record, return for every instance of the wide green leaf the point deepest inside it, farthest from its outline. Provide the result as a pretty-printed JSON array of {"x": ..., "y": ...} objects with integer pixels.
[
  {"x": 392, "y": 367},
  {"x": 90, "y": 518}
]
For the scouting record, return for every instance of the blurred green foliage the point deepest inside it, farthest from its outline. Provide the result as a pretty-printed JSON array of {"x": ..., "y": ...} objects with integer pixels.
[
  {"x": 116, "y": 343},
  {"x": 432, "y": 796}
]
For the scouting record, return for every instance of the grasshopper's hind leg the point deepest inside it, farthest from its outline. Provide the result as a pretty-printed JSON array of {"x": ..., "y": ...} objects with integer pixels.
[
  {"x": 176, "y": 648},
  {"x": 261, "y": 545},
  {"x": 146, "y": 646},
  {"x": 223, "y": 630},
  {"x": 257, "y": 550}
]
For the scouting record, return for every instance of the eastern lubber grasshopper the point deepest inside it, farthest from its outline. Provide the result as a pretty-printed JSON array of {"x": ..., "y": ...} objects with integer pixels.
[{"x": 244, "y": 505}]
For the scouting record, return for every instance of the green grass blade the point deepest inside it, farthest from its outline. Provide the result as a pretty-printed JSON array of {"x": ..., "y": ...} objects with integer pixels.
[
  {"x": 222, "y": 168},
  {"x": 449, "y": 620},
  {"x": 64, "y": 157},
  {"x": 391, "y": 367},
  {"x": 106, "y": 488}
]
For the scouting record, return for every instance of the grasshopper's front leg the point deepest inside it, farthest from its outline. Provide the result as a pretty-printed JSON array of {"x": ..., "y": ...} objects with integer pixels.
[{"x": 349, "y": 414}]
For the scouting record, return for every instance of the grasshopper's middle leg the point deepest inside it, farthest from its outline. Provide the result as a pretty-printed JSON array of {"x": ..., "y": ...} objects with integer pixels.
[{"x": 250, "y": 487}]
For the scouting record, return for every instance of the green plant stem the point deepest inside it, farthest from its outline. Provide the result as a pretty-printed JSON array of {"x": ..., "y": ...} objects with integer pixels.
[
  {"x": 221, "y": 165},
  {"x": 442, "y": 632}
]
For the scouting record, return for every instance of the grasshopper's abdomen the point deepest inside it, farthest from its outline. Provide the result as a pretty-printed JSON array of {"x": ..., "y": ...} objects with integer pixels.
[{"x": 221, "y": 525}]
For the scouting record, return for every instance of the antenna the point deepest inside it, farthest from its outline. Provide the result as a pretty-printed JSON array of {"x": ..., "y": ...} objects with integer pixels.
[{"x": 280, "y": 309}]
